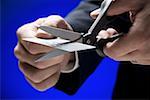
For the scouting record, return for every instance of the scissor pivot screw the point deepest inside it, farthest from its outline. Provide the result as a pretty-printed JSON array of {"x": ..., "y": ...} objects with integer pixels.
[{"x": 88, "y": 41}]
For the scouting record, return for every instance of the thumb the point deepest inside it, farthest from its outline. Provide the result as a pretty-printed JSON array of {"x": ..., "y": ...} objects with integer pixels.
[{"x": 120, "y": 6}]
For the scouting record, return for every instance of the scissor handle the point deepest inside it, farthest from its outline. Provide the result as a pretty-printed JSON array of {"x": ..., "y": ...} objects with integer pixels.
[{"x": 102, "y": 43}]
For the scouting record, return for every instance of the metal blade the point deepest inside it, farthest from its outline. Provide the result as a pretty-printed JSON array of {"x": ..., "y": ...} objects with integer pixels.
[
  {"x": 51, "y": 54},
  {"x": 62, "y": 33},
  {"x": 71, "y": 47},
  {"x": 75, "y": 46},
  {"x": 103, "y": 9}
]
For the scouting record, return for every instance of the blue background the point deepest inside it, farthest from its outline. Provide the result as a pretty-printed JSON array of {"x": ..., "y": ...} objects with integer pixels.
[{"x": 13, "y": 85}]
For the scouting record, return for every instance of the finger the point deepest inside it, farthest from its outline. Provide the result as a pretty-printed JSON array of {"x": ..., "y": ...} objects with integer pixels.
[
  {"x": 103, "y": 34},
  {"x": 95, "y": 13},
  {"x": 141, "y": 62},
  {"x": 37, "y": 75},
  {"x": 24, "y": 56},
  {"x": 46, "y": 84},
  {"x": 34, "y": 48},
  {"x": 122, "y": 6}
]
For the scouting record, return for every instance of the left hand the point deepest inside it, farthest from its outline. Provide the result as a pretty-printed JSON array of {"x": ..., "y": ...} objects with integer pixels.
[
  {"x": 140, "y": 55},
  {"x": 133, "y": 47}
]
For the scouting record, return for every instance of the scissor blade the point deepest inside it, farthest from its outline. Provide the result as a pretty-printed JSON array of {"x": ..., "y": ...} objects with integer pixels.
[
  {"x": 51, "y": 54},
  {"x": 75, "y": 46},
  {"x": 62, "y": 33},
  {"x": 103, "y": 9}
]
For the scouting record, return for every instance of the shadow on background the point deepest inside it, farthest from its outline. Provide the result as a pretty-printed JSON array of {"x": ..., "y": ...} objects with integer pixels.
[{"x": 18, "y": 12}]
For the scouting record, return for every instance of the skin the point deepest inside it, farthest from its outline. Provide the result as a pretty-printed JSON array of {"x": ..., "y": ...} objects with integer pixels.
[
  {"x": 45, "y": 74},
  {"x": 135, "y": 46}
]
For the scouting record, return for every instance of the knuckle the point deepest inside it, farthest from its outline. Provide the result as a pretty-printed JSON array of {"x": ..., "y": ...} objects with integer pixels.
[
  {"x": 22, "y": 28},
  {"x": 18, "y": 52},
  {"x": 25, "y": 29},
  {"x": 40, "y": 21},
  {"x": 58, "y": 21},
  {"x": 56, "y": 17},
  {"x": 19, "y": 30}
]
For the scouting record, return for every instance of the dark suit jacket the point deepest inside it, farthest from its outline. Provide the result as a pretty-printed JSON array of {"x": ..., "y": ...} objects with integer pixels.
[{"x": 133, "y": 80}]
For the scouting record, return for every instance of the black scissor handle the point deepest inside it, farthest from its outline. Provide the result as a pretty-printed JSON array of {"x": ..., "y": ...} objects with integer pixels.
[{"x": 102, "y": 43}]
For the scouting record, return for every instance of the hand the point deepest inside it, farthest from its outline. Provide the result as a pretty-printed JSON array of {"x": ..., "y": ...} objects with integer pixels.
[
  {"x": 44, "y": 74},
  {"x": 135, "y": 45}
]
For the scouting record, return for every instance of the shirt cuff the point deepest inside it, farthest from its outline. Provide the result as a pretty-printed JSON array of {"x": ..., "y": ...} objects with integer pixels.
[{"x": 75, "y": 66}]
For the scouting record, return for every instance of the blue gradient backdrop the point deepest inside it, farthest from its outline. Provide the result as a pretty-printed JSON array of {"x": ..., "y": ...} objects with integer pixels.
[{"x": 13, "y": 85}]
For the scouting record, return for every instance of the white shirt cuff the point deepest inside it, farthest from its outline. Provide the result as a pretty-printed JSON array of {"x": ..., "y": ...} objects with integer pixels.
[{"x": 76, "y": 64}]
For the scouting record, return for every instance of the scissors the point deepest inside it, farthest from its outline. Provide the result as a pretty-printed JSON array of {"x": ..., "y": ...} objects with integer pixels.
[{"x": 85, "y": 40}]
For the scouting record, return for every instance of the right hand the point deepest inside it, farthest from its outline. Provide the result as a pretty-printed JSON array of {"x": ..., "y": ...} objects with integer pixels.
[{"x": 44, "y": 74}]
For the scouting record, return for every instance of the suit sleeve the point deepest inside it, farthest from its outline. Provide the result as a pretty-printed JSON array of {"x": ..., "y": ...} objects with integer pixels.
[{"x": 80, "y": 20}]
